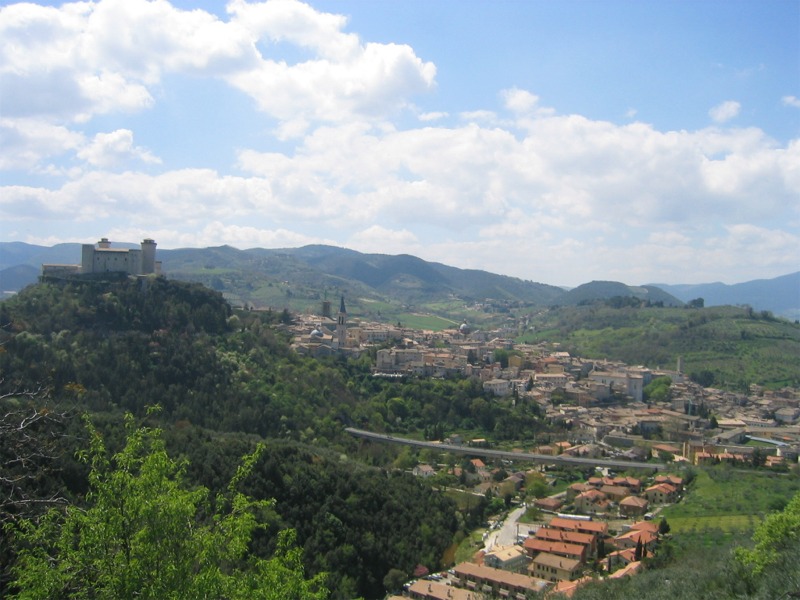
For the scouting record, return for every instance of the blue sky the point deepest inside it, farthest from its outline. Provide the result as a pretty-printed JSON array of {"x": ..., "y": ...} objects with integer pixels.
[{"x": 558, "y": 142}]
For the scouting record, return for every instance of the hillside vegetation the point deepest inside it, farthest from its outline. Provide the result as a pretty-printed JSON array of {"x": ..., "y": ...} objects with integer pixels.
[
  {"x": 227, "y": 381},
  {"x": 729, "y": 347},
  {"x": 224, "y": 382}
]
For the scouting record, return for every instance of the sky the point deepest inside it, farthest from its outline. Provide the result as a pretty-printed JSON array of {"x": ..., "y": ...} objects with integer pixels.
[{"x": 558, "y": 142}]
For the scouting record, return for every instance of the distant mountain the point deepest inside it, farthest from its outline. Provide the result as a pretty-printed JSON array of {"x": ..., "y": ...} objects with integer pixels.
[
  {"x": 17, "y": 277},
  {"x": 780, "y": 295},
  {"x": 604, "y": 290},
  {"x": 414, "y": 279},
  {"x": 21, "y": 264},
  {"x": 298, "y": 278}
]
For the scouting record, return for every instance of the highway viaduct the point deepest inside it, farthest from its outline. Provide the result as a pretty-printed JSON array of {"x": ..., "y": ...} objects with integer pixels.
[{"x": 544, "y": 459}]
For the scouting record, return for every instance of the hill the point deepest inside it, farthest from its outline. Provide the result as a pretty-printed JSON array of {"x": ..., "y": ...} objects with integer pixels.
[
  {"x": 224, "y": 382},
  {"x": 308, "y": 272},
  {"x": 725, "y": 346},
  {"x": 389, "y": 288},
  {"x": 606, "y": 290}
]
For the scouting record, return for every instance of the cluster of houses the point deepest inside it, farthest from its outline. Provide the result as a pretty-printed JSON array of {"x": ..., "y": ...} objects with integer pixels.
[
  {"x": 571, "y": 547},
  {"x": 554, "y": 560},
  {"x": 622, "y": 495}
]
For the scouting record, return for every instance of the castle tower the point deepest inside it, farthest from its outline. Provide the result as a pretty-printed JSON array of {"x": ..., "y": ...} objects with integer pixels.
[
  {"x": 341, "y": 325},
  {"x": 104, "y": 244},
  {"x": 87, "y": 258},
  {"x": 148, "y": 257}
]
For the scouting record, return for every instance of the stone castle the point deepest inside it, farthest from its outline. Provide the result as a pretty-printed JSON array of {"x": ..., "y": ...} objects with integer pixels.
[{"x": 102, "y": 258}]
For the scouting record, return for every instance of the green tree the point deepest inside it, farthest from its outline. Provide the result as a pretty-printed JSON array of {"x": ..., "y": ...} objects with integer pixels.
[
  {"x": 394, "y": 580},
  {"x": 144, "y": 534},
  {"x": 500, "y": 355},
  {"x": 663, "y": 527},
  {"x": 696, "y": 303},
  {"x": 658, "y": 390},
  {"x": 778, "y": 534}
]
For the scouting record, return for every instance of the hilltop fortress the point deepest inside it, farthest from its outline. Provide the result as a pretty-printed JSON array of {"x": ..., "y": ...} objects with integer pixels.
[{"x": 102, "y": 258}]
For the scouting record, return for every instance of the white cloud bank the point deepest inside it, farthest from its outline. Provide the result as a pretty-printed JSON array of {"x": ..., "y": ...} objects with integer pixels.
[{"x": 517, "y": 189}]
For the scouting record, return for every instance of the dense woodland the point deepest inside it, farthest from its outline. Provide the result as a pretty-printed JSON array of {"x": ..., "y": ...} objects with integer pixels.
[
  {"x": 219, "y": 386},
  {"x": 223, "y": 383}
]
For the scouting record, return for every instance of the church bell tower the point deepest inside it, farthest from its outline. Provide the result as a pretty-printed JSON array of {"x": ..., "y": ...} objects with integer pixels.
[{"x": 341, "y": 326}]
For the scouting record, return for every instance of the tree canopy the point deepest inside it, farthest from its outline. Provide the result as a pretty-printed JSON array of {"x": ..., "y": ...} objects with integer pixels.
[{"x": 144, "y": 533}]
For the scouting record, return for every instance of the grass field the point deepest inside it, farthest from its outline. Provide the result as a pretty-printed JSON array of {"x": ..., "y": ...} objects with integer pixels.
[
  {"x": 725, "y": 523},
  {"x": 724, "y": 505},
  {"x": 432, "y": 322}
]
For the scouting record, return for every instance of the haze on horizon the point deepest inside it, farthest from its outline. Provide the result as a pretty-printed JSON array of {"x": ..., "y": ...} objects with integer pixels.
[{"x": 559, "y": 142}]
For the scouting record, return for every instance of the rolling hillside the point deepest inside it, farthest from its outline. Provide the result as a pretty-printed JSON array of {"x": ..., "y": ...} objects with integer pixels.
[
  {"x": 386, "y": 287},
  {"x": 725, "y": 346}
]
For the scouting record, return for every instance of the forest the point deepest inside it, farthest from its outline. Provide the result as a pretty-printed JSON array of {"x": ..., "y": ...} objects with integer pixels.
[
  {"x": 115, "y": 392},
  {"x": 224, "y": 382}
]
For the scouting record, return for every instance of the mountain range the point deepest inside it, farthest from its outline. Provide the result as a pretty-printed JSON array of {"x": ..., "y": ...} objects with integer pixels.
[{"x": 298, "y": 278}]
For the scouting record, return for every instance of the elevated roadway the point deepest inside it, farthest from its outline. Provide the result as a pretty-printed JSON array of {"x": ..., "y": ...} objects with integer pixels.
[{"x": 542, "y": 459}]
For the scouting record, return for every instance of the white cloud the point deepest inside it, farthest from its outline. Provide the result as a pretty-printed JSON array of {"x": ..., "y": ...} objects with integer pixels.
[
  {"x": 28, "y": 142},
  {"x": 377, "y": 239},
  {"x": 519, "y": 101},
  {"x": 567, "y": 178},
  {"x": 432, "y": 116},
  {"x": 477, "y": 116},
  {"x": 81, "y": 60},
  {"x": 792, "y": 101},
  {"x": 725, "y": 111},
  {"x": 109, "y": 149}
]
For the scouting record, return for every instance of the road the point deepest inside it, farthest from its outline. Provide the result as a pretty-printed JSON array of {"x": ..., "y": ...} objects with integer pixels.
[
  {"x": 506, "y": 535},
  {"x": 502, "y": 455}
]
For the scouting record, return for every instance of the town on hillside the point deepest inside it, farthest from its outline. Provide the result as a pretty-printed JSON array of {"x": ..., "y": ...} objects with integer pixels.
[
  {"x": 602, "y": 402},
  {"x": 607, "y": 524}
]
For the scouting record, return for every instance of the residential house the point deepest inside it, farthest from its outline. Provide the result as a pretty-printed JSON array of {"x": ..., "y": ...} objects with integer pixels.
[
  {"x": 548, "y": 504},
  {"x": 673, "y": 480},
  {"x": 615, "y": 493},
  {"x": 633, "y": 506},
  {"x": 661, "y": 493},
  {"x": 576, "y": 489},
  {"x": 650, "y": 526},
  {"x": 592, "y": 502},
  {"x": 551, "y": 567},
  {"x": 631, "y": 483},
  {"x": 631, "y": 539},
  {"x": 535, "y": 546},
  {"x": 498, "y": 387},
  {"x": 619, "y": 558},
  {"x": 508, "y": 558},
  {"x": 658, "y": 449},
  {"x": 487, "y": 580},
  {"x": 567, "y": 588},
  {"x": 596, "y": 528},
  {"x": 424, "y": 471},
  {"x": 431, "y": 590},
  {"x": 627, "y": 571},
  {"x": 569, "y": 537}
]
